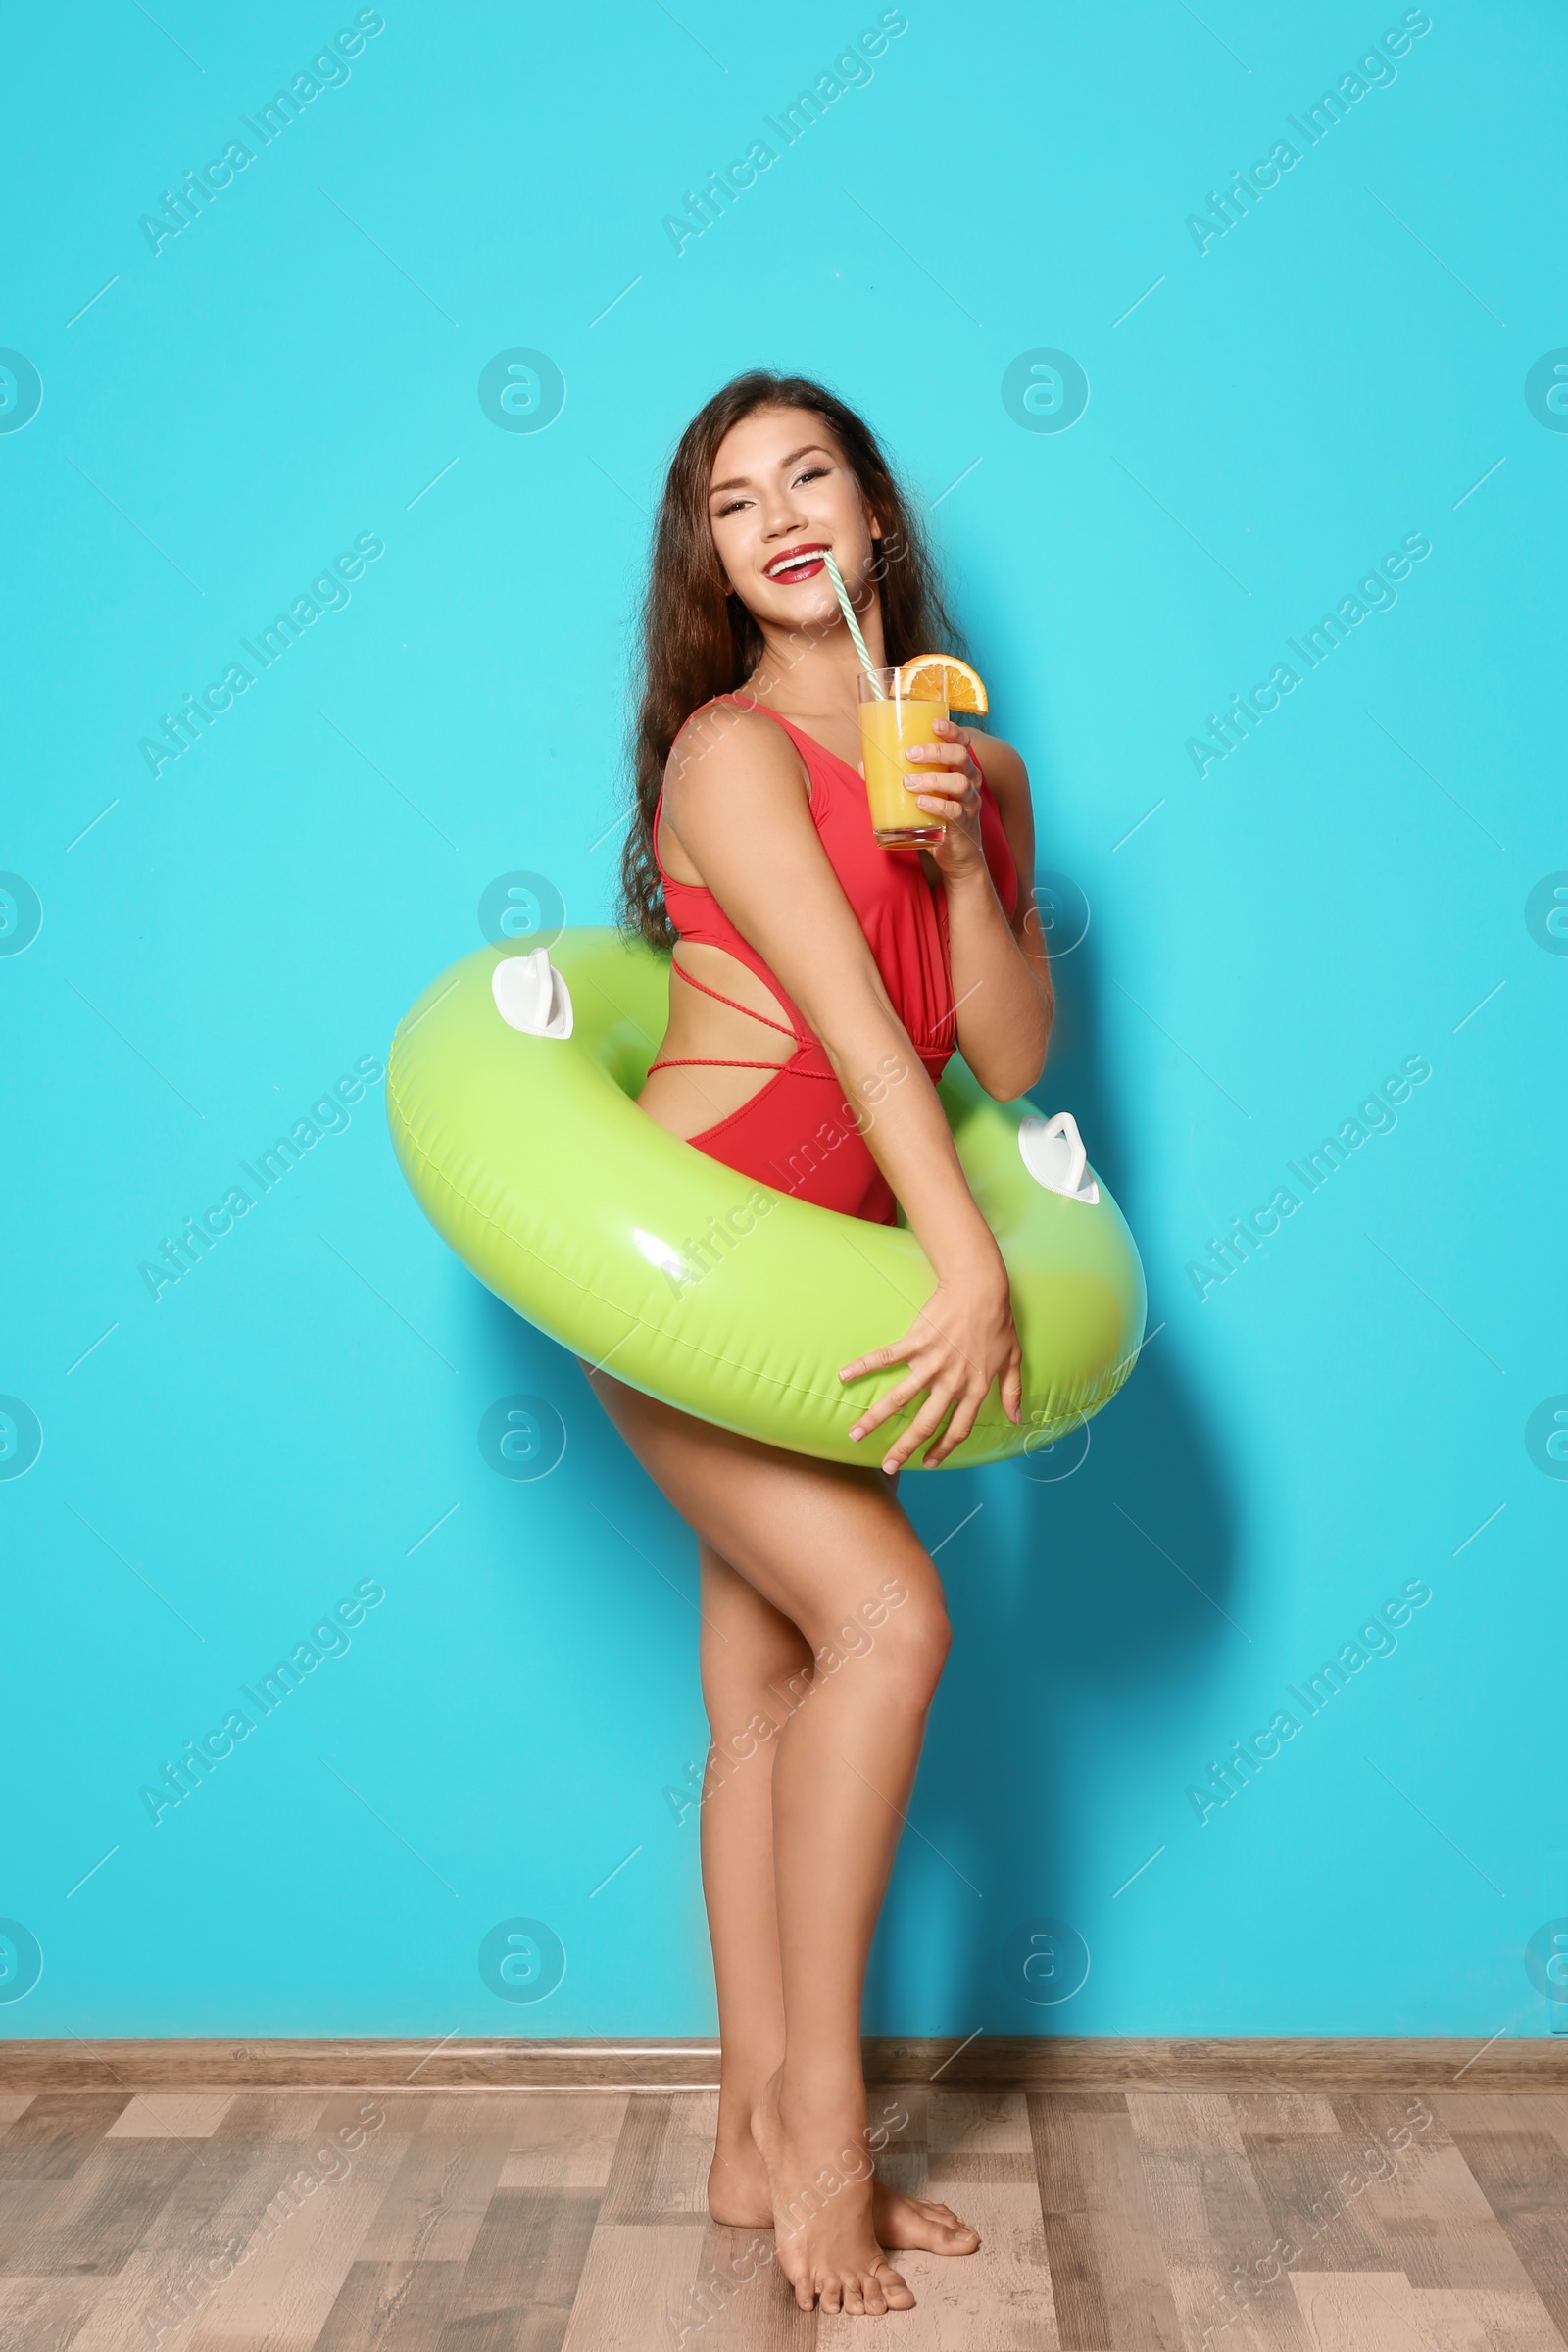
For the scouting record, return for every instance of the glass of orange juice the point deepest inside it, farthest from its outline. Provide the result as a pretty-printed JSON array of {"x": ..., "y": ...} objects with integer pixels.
[{"x": 889, "y": 721}]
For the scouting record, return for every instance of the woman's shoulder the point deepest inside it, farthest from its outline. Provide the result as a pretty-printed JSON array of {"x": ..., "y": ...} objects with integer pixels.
[
  {"x": 725, "y": 738},
  {"x": 1003, "y": 768},
  {"x": 732, "y": 769}
]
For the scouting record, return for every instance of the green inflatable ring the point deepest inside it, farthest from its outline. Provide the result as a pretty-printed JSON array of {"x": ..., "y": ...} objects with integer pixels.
[{"x": 526, "y": 1149}]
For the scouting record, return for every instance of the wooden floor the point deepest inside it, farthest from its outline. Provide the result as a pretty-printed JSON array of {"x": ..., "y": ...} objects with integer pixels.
[{"x": 520, "y": 2220}]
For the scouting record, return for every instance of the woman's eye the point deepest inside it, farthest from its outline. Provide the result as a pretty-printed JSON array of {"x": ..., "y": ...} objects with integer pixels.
[{"x": 812, "y": 473}]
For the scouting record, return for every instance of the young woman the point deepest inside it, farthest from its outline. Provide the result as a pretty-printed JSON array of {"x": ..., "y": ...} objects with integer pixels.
[{"x": 820, "y": 984}]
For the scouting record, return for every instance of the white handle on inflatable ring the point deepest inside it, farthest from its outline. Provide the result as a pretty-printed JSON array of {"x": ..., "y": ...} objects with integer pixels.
[
  {"x": 1053, "y": 1151},
  {"x": 532, "y": 996}
]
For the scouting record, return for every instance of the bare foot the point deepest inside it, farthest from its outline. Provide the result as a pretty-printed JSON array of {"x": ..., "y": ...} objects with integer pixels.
[
  {"x": 737, "y": 2178},
  {"x": 821, "y": 2197},
  {"x": 737, "y": 2194},
  {"x": 919, "y": 2224}
]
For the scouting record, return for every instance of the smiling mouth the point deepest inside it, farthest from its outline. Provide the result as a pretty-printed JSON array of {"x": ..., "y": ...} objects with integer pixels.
[{"x": 797, "y": 563}]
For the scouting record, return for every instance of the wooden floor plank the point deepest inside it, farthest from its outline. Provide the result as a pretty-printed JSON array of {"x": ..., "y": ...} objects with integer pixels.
[
  {"x": 400, "y": 2113},
  {"x": 628, "y": 2191},
  {"x": 1212, "y": 2223},
  {"x": 287, "y": 2115},
  {"x": 23, "y": 2208},
  {"x": 676, "y": 2189},
  {"x": 220, "y": 2201},
  {"x": 1117, "y": 2241},
  {"x": 46, "y": 2315},
  {"x": 977, "y": 2123},
  {"x": 1315, "y": 2191},
  {"x": 1459, "y": 2256},
  {"x": 1360, "y": 2311},
  {"x": 391, "y": 2307},
  {"x": 659, "y": 2172},
  {"x": 156, "y": 2115},
  {"x": 1435, "y": 2220},
  {"x": 1389, "y": 2120},
  {"x": 520, "y": 2283},
  {"x": 951, "y": 2168},
  {"x": 1523, "y": 2178},
  {"x": 57, "y": 2132},
  {"x": 1192, "y": 2124},
  {"x": 1083, "y": 2320},
  {"x": 1480, "y": 2321},
  {"x": 1496, "y": 2111},
  {"x": 564, "y": 2139},
  {"x": 637, "y": 2290},
  {"x": 146, "y": 2301},
  {"x": 228, "y": 2209},
  {"x": 298, "y": 2254},
  {"x": 436, "y": 2201},
  {"x": 1276, "y": 2111},
  {"x": 492, "y": 2112},
  {"x": 1214, "y": 2318},
  {"x": 191, "y": 2246},
  {"x": 902, "y": 2112},
  {"x": 98, "y": 2217},
  {"x": 1368, "y": 2311}
]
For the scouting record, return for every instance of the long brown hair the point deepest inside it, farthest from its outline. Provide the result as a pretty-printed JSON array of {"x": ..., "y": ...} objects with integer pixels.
[{"x": 698, "y": 639}]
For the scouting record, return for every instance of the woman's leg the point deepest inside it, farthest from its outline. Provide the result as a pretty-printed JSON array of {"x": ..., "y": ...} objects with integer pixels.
[
  {"x": 751, "y": 1656},
  {"x": 827, "y": 1548},
  {"x": 757, "y": 1670}
]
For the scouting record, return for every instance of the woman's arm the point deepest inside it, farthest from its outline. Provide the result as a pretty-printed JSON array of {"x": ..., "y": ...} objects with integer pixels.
[
  {"x": 733, "y": 797},
  {"x": 1001, "y": 974}
]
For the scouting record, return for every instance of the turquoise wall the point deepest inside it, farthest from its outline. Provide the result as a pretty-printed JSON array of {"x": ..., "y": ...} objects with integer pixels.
[{"x": 1343, "y": 919}]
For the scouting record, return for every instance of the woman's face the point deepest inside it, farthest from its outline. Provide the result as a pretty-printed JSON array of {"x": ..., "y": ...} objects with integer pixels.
[{"x": 782, "y": 493}]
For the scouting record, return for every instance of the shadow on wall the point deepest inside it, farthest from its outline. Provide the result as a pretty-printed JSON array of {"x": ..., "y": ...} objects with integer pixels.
[{"x": 1091, "y": 1580}]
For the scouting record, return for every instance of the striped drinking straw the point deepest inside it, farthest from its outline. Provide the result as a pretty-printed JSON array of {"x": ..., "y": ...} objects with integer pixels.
[{"x": 852, "y": 625}]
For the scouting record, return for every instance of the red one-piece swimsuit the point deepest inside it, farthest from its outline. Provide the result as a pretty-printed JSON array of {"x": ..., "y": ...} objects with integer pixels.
[{"x": 799, "y": 1134}]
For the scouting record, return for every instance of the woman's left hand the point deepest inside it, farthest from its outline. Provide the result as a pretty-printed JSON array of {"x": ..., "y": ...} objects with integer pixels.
[{"x": 953, "y": 797}]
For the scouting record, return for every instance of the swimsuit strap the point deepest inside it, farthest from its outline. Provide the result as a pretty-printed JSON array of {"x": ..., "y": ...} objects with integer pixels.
[
  {"x": 708, "y": 1061},
  {"x": 782, "y": 1027}
]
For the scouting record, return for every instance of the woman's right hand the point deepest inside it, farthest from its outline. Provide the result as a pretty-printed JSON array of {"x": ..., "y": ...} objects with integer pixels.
[{"x": 961, "y": 1341}]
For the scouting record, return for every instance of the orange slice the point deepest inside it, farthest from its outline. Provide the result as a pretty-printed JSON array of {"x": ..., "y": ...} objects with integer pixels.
[{"x": 961, "y": 687}]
